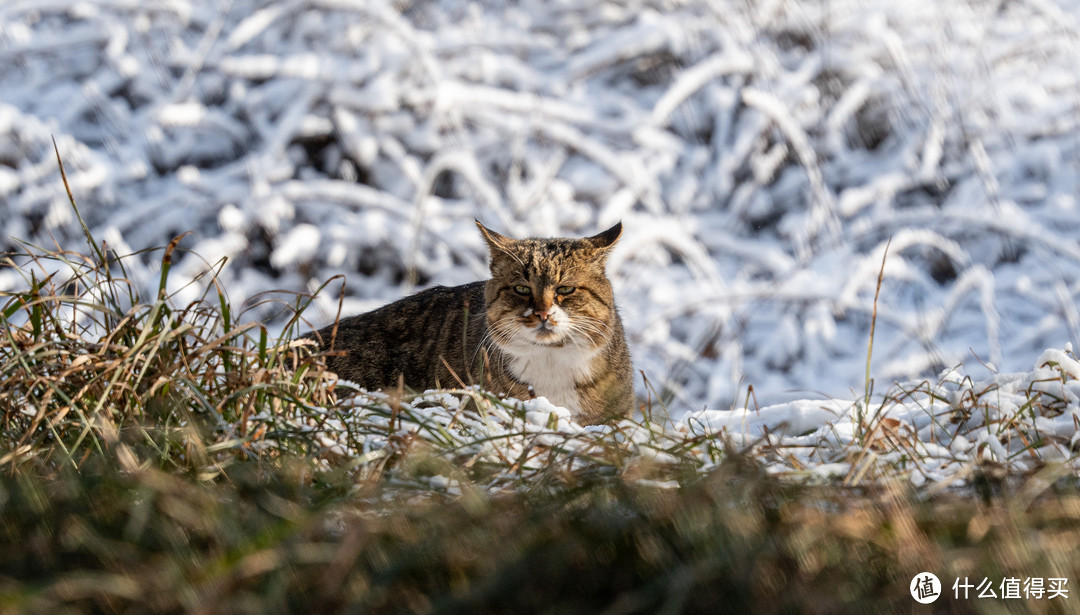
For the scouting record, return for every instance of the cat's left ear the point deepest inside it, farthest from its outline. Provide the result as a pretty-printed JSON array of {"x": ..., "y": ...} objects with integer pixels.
[{"x": 604, "y": 241}]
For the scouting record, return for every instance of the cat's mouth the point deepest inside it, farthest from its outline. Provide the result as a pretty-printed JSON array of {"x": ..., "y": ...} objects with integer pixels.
[{"x": 546, "y": 334}]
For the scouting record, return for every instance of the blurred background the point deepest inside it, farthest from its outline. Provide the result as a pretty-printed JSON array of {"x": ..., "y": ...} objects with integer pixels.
[{"x": 760, "y": 155}]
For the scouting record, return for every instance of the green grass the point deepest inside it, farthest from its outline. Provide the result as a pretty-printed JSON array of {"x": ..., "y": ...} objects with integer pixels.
[{"x": 158, "y": 458}]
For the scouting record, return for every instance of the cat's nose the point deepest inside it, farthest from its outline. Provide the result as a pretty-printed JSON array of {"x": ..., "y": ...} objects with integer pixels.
[{"x": 542, "y": 315}]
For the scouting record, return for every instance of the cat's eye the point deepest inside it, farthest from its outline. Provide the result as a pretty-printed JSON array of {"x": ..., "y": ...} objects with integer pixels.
[
  {"x": 523, "y": 290},
  {"x": 565, "y": 290}
]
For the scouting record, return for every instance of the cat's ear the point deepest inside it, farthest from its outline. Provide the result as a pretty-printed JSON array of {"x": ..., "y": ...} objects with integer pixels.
[
  {"x": 604, "y": 241},
  {"x": 498, "y": 243}
]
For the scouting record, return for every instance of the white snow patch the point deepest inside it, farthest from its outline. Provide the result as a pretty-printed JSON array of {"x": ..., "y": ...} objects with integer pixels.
[{"x": 299, "y": 245}]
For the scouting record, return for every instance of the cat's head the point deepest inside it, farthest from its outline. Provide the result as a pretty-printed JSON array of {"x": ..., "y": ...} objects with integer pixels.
[{"x": 550, "y": 292}]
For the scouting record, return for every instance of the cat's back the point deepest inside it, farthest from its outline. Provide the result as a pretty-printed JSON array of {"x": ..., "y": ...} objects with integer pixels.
[{"x": 407, "y": 338}]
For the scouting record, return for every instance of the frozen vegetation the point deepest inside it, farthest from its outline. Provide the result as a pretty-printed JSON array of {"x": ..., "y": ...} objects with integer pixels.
[
  {"x": 936, "y": 435},
  {"x": 761, "y": 155}
]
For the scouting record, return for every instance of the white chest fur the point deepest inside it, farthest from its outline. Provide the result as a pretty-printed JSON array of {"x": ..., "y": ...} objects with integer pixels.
[{"x": 553, "y": 372}]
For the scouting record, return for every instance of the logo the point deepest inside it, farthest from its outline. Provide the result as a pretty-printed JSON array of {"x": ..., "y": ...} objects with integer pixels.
[{"x": 925, "y": 587}]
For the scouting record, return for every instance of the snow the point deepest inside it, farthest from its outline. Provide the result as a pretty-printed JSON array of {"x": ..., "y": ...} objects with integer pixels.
[
  {"x": 795, "y": 417},
  {"x": 933, "y": 434},
  {"x": 925, "y": 431},
  {"x": 760, "y": 156}
]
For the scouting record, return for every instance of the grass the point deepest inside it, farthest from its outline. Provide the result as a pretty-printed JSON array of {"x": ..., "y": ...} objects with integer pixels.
[
  {"x": 89, "y": 369},
  {"x": 162, "y": 458},
  {"x": 272, "y": 539}
]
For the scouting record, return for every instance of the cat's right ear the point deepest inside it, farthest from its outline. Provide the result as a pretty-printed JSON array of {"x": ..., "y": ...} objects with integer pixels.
[{"x": 498, "y": 243}]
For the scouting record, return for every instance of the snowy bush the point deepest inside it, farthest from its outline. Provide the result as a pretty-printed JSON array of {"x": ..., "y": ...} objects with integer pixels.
[{"x": 760, "y": 155}]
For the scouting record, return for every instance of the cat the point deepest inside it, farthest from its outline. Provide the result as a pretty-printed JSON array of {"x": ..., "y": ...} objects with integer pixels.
[{"x": 545, "y": 324}]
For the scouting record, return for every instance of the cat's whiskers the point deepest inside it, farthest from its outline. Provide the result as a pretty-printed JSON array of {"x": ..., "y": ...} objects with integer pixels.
[
  {"x": 577, "y": 341},
  {"x": 594, "y": 321},
  {"x": 500, "y": 333},
  {"x": 591, "y": 328},
  {"x": 584, "y": 323},
  {"x": 497, "y": 334},
  {"x": 503, "y": 330}
]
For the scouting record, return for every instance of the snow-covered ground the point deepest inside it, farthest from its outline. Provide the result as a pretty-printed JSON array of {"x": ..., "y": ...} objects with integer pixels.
[
  {"x": 936, "y": 435},
  {"x": 760, "y": 154}
]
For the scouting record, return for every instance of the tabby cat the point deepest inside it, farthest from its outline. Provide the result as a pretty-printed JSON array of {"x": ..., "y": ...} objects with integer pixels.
[{"x": 545, "y": 324}]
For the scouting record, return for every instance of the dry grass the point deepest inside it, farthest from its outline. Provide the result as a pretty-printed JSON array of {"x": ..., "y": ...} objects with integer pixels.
[
  {"x": 85, "y": 367},
  {"x": 274, "y": 540}
]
